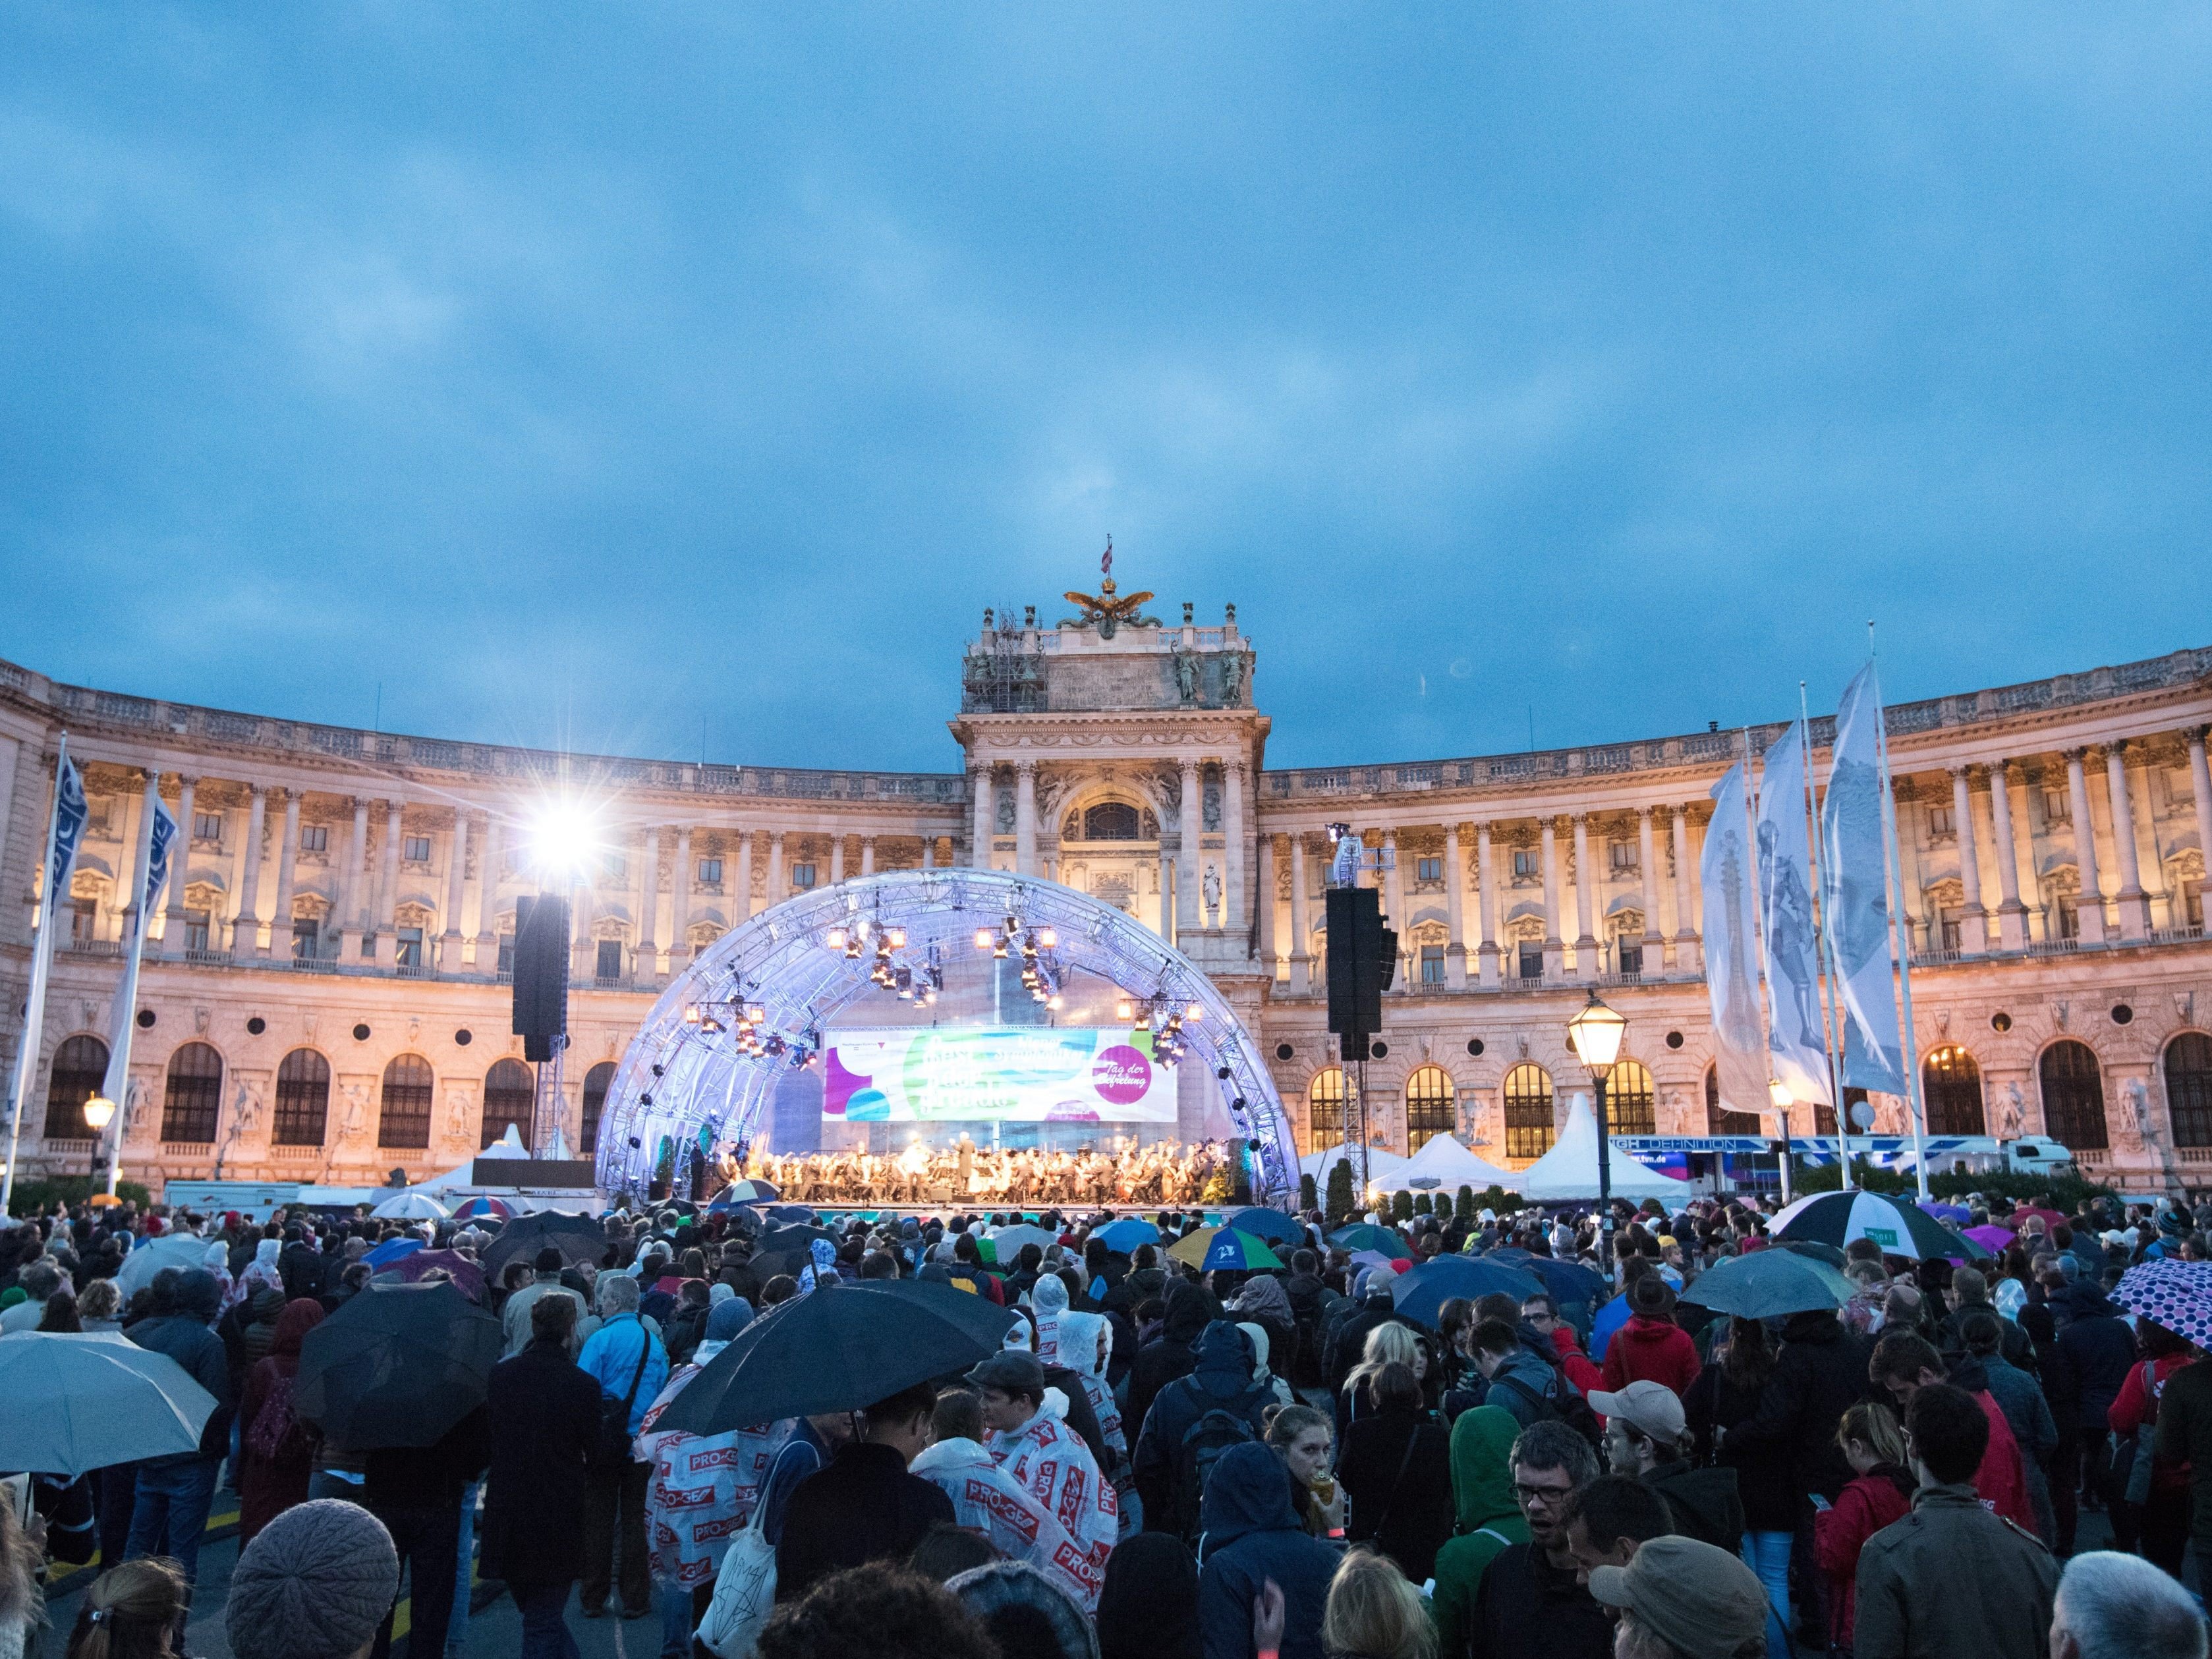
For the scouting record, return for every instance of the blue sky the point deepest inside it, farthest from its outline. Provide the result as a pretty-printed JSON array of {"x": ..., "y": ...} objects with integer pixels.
[{"x": 655, "y": 378}]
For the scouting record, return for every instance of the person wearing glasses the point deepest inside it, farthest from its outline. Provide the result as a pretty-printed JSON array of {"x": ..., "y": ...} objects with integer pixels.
[{"x": 1532, "y": 1599}]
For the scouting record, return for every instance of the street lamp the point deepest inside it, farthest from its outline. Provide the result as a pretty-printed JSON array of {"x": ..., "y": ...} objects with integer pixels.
[
  {"x": 1778, "y": 1092},
  {"x": 99, "y": 1113},
  {"x": 1594, "y": 1035}
]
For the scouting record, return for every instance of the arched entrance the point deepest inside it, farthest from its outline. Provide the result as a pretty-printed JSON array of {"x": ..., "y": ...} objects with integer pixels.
[{"x": 691, "y": 1068}]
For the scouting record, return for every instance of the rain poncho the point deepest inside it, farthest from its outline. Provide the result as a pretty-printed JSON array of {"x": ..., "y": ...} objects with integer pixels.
[
  {"x": 260, "y": 1274},
  {"x": 1047, "y": 1460},
  {"x": 218, "y": 1263},
  {"x": 1079, "y": 1349},
  {"x": 988, "y": 1500},
  {"x": 703, "y": 1486},
  {"x": 825, "y": 1265},
  {"x": 1049, "y": 1300}
]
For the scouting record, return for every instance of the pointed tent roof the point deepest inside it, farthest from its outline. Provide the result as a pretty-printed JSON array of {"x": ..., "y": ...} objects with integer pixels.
[
  {"x": 1444, "y": 1166},
  {"x": 1570, "y": 1168}
]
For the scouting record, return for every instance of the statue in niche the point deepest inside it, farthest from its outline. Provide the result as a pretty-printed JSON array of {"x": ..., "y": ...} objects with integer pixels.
[
  {"x": 356, "y": 1116},
  {"x": 1232, "y": 680},
  {"x": 2135, "y": 1112},
  {"x": 136, "y": 1099},
  {"x": 1210, "y": 807},
  {"x": 1185, "y": 673},
  {"x": 245, "y": 1110},
  {"x": 1210, "y": 888},
  {"x": 1006, "y": 810},
  {"x": 2014, "y": 1114}
]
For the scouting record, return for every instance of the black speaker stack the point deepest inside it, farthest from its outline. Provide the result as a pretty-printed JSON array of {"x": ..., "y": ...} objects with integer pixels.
[{"x": 541, "y": 974}]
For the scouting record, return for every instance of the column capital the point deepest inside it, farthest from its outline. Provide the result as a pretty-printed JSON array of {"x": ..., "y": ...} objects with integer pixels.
[
  {"x": 1963, "y": 772},
  {"x": 1025, "y": 768},
  {"x": 2194, "y": 736},
  {"x": 775, "y": 837},
  {"x": 1645, "y": 814},
  {"x": 2080, "y": 755}
]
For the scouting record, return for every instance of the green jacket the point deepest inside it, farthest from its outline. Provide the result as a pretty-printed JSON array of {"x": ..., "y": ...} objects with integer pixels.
[
  {"x": 1487, "y": 1519},
  {"x": 1953, "y": 1580}
]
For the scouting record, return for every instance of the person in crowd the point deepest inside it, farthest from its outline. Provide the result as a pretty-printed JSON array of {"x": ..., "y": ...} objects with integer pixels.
[
  {"x": 169, "y": 1512},
  {"x": 1485, "y": 1519},
  {"x": 2021, "y": 1397},
  {"x": 1253, "y": 1541},
  {"x": 98, "y": 1309},
  {"x": 1645, "y": 1436},
  {"x": 22, "y": 1597},
  {"x": 132, "y": 1611},
  {"x": 276, "y": 1445},
  {"x": 1148, "y": 1609},
  {"x": 317, "y": 1583},
  {"x": 1396, "y": 1470},
  {"x": 1348, "y": 1346},
  {"x": 1030, "y": 1440},
  {"x": 2090, "y": 1355},
  {"x": 416, "y": 1491},
  {"x": 880, "y": 1610},
  {"x": 1027, "y": 1613},
  {"x": 1373, "y": 1612},
  {"x": 2112, "y": 1606},
  {"x": 985, "y": 1498},
  {"x": 544, "y": 1414},
  {"x": 1903, "y": 1363},
  {"x": 1610, "y": 1519},
  {"x": 1387, "y": 1345},
  {"x": 1531, "y": 1599},
  {"x": 1173, "y": 1353},
  {"x": 545, "y": 1281},
  {"x": 1192, "y": 1420},
  {"x": 1652, "y": 1346},
  {"x": 2160, "y": 1526},
  {"x": 631, "y": 1368},
  {"x": 1301, "y": 1436},
  {"x": 1953, "y": 1580},
  {"x": 1680, "y": 1599},
  {"x": 1880, "y": 1493},
  {"x": 1725, "y": 1396},
  {"x": 1969, "y": 1289},
  {"x": 1518, "y": 1382},
  {"x": 866, "y": 1505},
  {"x": 38, "y": 1283}
]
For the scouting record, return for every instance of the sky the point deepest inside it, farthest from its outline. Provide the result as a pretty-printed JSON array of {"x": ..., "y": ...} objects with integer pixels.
[{"x": 685, "y": 380}]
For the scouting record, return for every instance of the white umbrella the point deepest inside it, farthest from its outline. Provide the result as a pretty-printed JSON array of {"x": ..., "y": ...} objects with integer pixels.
[
  {"x": 79, "y": 1401},
  {"x": 170, "y": 1250},
  {"x": 1009, "y": 1241},
  {"x": 410, "y": 1205}
]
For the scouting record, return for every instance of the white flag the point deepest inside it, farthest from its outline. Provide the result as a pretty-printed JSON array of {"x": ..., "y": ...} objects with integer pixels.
[
  {"x": 1854, "y": 892},
  {"x": 1731, "y": 928},
  {"x": 1797, "y": 1054}
]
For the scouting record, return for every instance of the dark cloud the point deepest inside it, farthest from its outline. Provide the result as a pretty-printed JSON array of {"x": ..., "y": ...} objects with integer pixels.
[{"x": 694, "y": 376}]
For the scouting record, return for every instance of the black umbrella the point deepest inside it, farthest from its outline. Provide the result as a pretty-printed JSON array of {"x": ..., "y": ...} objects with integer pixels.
[
  {"x": 578, "y": 1238},
  {"x": 839, "y": 1349},
  {"x": 396, "y": 1365}
]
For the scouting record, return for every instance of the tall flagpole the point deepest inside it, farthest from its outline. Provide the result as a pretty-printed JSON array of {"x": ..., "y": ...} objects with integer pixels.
[
  {"x": 125, "y": 1021},
  {"x": 34, "y": 1005},
  {"x": 1758, "y": 947},
  {"x": 1893, "y": 870},
  {"x": 1830, "y": 986}
]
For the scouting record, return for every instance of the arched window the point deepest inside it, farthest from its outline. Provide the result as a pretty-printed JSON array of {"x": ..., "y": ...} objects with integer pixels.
[
  {"x": 303, "y": 1099},
  {"x": 1325, "y": 1108},
  {"x": 1719, "y": 1122},
  {"x": 2188, "y": 1088},
  {"x": 596, "y": 1082},
  {"x": 1431, "y": 1106},
  {"x": 1110, "y": 820},
  {"x": 1529, "y": 1128},
  {"x": 507, "y": 1097},
  {"x": 194, "y": 1097},
  {"x": 403, "y": 1119},
  {"x": 79, "y": 1067},
  {"x": 2073, "y": 1095},
  {"x": 1628, "y": 1100},
  {"x": 1951, "y": 1084}
]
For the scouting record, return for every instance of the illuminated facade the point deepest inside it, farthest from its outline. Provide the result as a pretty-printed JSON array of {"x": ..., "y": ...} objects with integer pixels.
[{"x": 324, "y": 997}]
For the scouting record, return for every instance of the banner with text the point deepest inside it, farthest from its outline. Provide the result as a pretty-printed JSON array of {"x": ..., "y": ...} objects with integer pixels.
[{"x": 920, "y": 1075}]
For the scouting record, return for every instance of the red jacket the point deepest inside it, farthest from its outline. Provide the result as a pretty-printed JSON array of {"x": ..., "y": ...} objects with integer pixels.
[
  {"x": 1862, "y": 1509},
  {"x": 2002, "y": 1481},
  {"x": 2138, "y": 1406},
  {"x": 1652, "y": 1351},
  {"x": 1573, "y": 1361}
]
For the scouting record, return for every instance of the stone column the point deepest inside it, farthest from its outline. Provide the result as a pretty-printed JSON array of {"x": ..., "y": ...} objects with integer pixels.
[
  {"x": 181, "y": 860},
  {"x": 246, "y": 931},
  {"x": 867, "y": 857},
  {"x": 488, "y": 874},
  {"x": 450, "y": 937},
  {"x": 1263, "y": 899},
  {"x": 1654, "y": 942},
  {"x": 2091, "y": 906},
  {"x": 1486, "y": 908},
  {"x": 679, "y": 904},
  {"x": 645, "y": 960},
  {"x": 2200, "y": 789},
  {"x": 2135, "y": 907},
  {"x": 741, "y": 905},
  {"x": 1454, "y": 909},
  {"x": 353, "y": 898},
  {"x": 775, "y": 881},
  {"x": 1025, "y": 818},
  {"x": 1687, "y": 955},
  {"x": 288, "y": 862},
  {"x": 2012, "y": 915},
  {"x": 1167, "y": 896},
  {"x": 1973, "y": 923},
  {"x": 1232, "y": 842},
  {"x": 1554, "y": 946},
  {"x": 1301, "y": 932},
  {"x": 1587, "y": 958},
  {"x": 837, "y": 859},
  {"x": 1192, "y": 815},
  {"x": 387, "y": 898},
  {"x": 980, "y": 816}
]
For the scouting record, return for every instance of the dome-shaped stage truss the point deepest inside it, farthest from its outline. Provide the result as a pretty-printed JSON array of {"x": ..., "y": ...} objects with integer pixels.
[{"x": 689, "y": 1067}]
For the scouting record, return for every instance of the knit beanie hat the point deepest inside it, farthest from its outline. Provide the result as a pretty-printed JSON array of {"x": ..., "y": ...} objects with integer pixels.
[{"x": 314, "y": 1583}]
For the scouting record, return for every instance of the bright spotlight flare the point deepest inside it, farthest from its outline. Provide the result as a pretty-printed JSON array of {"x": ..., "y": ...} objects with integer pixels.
[
  {"x": 1043, "y": 975},
  {"x": 746, "y": 1022},
  {"x": 560, "y": 839}
]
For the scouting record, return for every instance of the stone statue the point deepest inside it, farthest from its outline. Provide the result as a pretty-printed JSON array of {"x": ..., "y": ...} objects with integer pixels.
[
  {"x": 1209, "y": 806},
  {"x": 2135, "y": 1111},
  {"x": 1211, "y": 887},
  {"x": 1232, "y": 680},
  {"x": 2015, "y": 1114},
  {"x": 356, "y": 1117},
  {"x": 1185, "y": 673},
  {"x": 245, "y": 1110},
  {"x": 1005, "y": 810}
]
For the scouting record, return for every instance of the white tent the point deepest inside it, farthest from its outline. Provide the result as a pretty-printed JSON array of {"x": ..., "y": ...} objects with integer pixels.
[
  {"x": 462, "y": 1177},
  {"x": 1380, "y": 1164},
  {"x": 1570, "y": 1168},
  {"x": 1445, "y": 1166}
]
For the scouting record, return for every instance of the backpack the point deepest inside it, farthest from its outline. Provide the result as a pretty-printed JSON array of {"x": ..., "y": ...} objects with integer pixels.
[
  {"x": 1569, "y": 1408},
  {"x": 1202, "y": 1447},
  {"x": 277, "y": 1430}
]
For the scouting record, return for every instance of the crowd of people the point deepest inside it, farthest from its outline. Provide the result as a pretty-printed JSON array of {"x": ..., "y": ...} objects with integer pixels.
[
  {"x": 1313, "y": 1461},
  {"x": 1157, "y": 1172}
]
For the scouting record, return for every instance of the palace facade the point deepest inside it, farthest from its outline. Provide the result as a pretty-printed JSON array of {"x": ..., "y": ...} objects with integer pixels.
[{"x": 324, "y": 996}]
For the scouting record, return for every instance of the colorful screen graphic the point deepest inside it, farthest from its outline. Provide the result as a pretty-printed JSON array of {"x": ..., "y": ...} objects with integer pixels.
[{"x": 918, "y": 1075}]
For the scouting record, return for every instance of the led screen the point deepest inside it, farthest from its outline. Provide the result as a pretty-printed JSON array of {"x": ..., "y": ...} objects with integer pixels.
[{"x": 920, "y": 1075}]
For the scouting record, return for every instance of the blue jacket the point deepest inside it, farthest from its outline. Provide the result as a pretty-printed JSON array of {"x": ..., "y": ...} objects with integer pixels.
[
  {"x": 1530, "y": 1374},
  {"x": 611, "y": 1356},
  {"x": 1610, "y": 1318},
  {"x": 1221, "y": 1381},
  {"x": 1252, "y": 1534}
]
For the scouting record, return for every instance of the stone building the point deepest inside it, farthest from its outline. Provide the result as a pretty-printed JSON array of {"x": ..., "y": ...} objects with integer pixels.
[{"x": 324, "y": 996}]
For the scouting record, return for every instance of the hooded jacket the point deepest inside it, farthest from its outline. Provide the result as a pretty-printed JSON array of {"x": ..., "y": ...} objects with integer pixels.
[
  {"x": 1220, "y": 1380},
  {"x": 1652, "y": 1351},
  {"x": 1169, "y": 1355},
  {"x": 184, "y": 1337},
  {"x": 1485, "y": 1519},
  {"x": 1818, "y": 1375},
  {"x": 1520, "y": 1383},
  {"x": 1252, "y": 1534},
  {"x": 1707, "y": 1503},
  {"x": 2090, "y": 1355}
]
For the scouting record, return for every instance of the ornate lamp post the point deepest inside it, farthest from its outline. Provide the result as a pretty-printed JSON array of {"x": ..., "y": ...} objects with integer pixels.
[
  {"x": 1594, "y": 1035},
  {"x": 99, "y": 1113},
  {"x": 1778, "y": 1092}
]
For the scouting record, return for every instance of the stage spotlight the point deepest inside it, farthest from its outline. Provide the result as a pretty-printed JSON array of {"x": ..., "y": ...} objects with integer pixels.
[
  {"x": 1122, "y": 1011},
  {"x": 656, "y": 1069},
  {"x": 1047, "y": 938},
  {"x": 1221, "y": 1072},
  {"x": 691, "y": 1014},
  {"x": 835, "y": 938},
  {"x": 897, "y": 938},
  {"x": 643, "y": 1100},
  {"x": 1054, "y": 1000},
  {"x": 1196, "y": 1011},
  {"x": 983, "y": 940},
  {"x": 755, "y": 1013}
]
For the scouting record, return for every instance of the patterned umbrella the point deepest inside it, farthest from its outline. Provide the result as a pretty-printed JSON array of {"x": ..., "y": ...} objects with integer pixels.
[
  {"x": 477, "y": 1209},
  {"x": 2175, "y": 1294},
  {"x": 1210, "y": 1250},
  {"x": 745, "y": 1191},
  {"x": 1899, "y": 1228}
]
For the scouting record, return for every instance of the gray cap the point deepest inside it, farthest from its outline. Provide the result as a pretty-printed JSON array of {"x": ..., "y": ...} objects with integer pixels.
[
  {"x": 314, "y": 1583},
  {"x": 1010, "y": 1371},
  {"x": 1702, "y": 1601}
]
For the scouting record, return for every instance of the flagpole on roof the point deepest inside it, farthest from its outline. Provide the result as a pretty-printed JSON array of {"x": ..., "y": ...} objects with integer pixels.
[{"x": 42, "y": 956}]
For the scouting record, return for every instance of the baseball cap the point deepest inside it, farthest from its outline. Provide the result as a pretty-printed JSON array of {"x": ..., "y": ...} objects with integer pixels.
[
  {"x": 1702, "y": 1601},
  {"x": 1652, "y": 1406}
]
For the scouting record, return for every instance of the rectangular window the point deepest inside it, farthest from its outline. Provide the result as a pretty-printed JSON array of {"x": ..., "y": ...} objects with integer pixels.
[
  {"x": 83, "y": 921},
  {"x": 1428, "y": 869},
  {"x": 507, "y": 953},
  {"x": 306, "y": 940},
  {"x": 1623, "y": 855},
  {"x": 2070, "y": 920},
  {"x": 314, "y": 838},
  {"x": 1524, "y": 863},
  {"x": 1939, "y": 823},
  {"x": 2192, "y": 903},
  {"x": 1631, "y": 955},
  {"x": 802, "y": 875},
  {"x": 610, "y": 964},
  {"x": 1948, "y": 930},
  {"x": 2057, "y": 806},
  {"x": 1432, "y": 964},
  {"x": 196, "y": 930},
  {"x": 207, "y": 826},
  {"x": 410, "y": 944},
  {"x": 1532, "y": 960},
  {"x": 416, "y": 849},
  {"x": 614, "y": 865},
  {"x": 710, "y": 872}
]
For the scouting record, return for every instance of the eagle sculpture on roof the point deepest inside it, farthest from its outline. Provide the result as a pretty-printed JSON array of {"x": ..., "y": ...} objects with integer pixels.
[{"x": 1107, "y": 612}]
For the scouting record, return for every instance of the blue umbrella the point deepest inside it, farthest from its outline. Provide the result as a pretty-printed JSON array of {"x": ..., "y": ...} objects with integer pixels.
[
  {"x": 1127, "y": 1234},
  {"x": 385, "y": 1255},
  {"x": 1422, "y": 1292},
  {"x": 1269, "y": 1223},
  {"x": 1951, "y": 1213},
  {"x": 1570, "y": 1281}
]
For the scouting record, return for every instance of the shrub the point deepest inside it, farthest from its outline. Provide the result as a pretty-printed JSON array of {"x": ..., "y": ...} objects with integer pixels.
[
  {"x": 1464, "y": 1208},
  {"x": 1401, "y": 1205},
  {"x": 30, "y": 1197},
  {"x": 1342, "y": 1197},
  {"x": 1308, "y": 1195}
]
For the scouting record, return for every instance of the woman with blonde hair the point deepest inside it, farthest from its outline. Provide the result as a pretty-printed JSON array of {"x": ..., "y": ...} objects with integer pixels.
[
  {"x": 131, "y": 1612},
  {"x": 1373, "y": 1611},
  {"x": 1387, "y": 1345}
]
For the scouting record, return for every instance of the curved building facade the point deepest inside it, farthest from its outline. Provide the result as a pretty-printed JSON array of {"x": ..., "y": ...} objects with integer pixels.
[{"x": 325, "y": 998}]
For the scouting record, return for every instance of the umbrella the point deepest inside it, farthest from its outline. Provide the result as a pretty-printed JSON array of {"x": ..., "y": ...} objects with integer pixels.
[
  {"x": 1128, "y": 1234},
  {"x": 1570, "y": 1281},
  {"x": 418, "y": 1264},
  {"x": 1949, "y": 1214},
  {"x": 2050, "y": 1217},
  {"x": 1995, "y": 1240},
  {"x": 409, "y": 1205},
  {"x": 2170, "y": 1292},
  {"x": 835, "y": 1351},
  {"x": 396, "y": 1365},
  {"x": 1769, "y": 1282},
  {"x": 578, "y": 1238},
  {"x": 390, "y": 1251},
  {"x": 1365, "y": 1235},
  {"x": 174, "y": 1250},
  {"x": 1269, "y": 1223},
  {"x": 1804, "y": 1246},
  {"x": 1421, "y": 1293},
  {"x": 484, "y": 1209},
  {"x": 1370, "y": 1259},
  {"x": 1900, "y": 1228},
  {"x": 1212, "y": 1249},
  {"x": 1010, "y": 1240},
  {"x": 83, "y": 1402},
  {"x": 785, "y": 1214},
  {"x": 744, "y": 1192}
]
